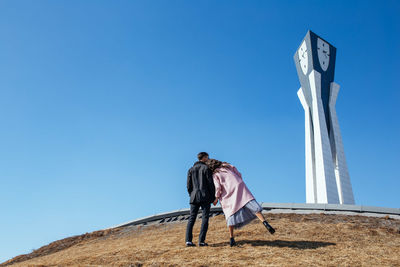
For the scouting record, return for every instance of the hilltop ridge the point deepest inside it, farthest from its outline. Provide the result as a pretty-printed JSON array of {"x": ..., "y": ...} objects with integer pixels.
[{"x": 300, "y": 240}]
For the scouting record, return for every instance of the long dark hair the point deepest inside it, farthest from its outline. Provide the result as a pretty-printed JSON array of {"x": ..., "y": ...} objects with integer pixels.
[{"x": 215, "y": 164}]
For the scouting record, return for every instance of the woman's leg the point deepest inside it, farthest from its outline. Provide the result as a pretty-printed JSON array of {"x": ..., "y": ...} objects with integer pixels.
[
  {"x": 232, "y": 240},
  {"x": 231, "y": 231},
  {"x": 264, "y": 221},
  {"x": 260, "y": 216}
]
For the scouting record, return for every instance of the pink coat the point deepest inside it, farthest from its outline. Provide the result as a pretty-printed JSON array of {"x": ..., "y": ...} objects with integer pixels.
[{"x": 230, "y": 189}]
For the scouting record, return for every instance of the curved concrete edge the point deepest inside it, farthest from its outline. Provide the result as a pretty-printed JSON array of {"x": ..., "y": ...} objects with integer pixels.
[
  {"x": 367, "y": 210},
  {"x": 160, "y": 216},
  {"x": 332, "y": 207}
]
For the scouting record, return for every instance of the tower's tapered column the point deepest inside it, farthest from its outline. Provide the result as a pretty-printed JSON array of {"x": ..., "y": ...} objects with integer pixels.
[
  {"x": 311, "y": 190},
  {"x": 324, "y": 170},
  {"x": 327, "y": 177},
  {"x": 345, "y": 190}
]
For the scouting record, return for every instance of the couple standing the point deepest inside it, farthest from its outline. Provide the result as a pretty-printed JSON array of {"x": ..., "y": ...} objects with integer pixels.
[{"x": 210, "y": 180}]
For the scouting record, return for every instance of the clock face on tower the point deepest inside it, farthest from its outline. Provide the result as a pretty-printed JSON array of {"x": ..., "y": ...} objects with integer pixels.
[
  {"x": 303, "y": 57},
  {"x": 323, "y": 54}
]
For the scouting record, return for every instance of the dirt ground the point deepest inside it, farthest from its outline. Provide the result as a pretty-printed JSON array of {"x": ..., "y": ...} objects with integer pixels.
[{"x": 300, "y": 240}]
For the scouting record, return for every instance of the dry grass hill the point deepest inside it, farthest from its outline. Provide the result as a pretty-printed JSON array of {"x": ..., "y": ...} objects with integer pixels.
[{"x": 300, "y": 240}]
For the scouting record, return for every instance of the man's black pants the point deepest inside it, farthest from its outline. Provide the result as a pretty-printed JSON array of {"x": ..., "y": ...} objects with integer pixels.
[{"x": 194, "y": 209}]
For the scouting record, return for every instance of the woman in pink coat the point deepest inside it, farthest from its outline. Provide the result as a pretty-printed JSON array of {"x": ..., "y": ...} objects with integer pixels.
[{"x": 238, "y": 204}]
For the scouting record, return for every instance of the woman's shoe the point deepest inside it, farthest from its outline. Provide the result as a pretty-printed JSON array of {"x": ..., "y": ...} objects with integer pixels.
[
  {"x": 232, "y": 242},
  {"x": 269, "y": 227}
]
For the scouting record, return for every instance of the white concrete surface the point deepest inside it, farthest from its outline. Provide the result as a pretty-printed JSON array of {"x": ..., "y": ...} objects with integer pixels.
[
  {"x": 327, "y": 175},
  {"x": 297, "y": 208}
]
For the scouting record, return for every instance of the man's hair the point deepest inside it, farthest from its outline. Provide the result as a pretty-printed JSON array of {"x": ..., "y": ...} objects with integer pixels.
[{"x": 201, "y": 155}]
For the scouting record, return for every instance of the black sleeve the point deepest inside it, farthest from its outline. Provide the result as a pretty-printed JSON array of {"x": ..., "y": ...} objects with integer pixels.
[
  {"x": 189, "y": 183},
  {"x": 211, "y": 185}
]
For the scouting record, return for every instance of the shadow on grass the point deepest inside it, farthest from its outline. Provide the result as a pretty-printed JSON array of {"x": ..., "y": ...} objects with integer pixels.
[{"x": 298, "y": 244}]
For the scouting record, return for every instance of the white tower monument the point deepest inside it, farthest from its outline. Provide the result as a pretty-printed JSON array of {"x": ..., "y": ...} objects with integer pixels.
[{"x": 327, "y": 177}]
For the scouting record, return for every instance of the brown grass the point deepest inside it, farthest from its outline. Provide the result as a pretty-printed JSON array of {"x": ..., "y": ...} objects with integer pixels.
[{"x": 300, "y": 240}]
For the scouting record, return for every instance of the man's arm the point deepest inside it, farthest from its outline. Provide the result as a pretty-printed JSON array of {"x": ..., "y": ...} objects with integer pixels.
[
  {"x": 210, "y": 180},
  {"x": 189, "y": 183}
]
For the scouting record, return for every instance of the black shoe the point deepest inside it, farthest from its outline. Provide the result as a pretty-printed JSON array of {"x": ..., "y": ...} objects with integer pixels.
[
  {"x": 190, "y": 244},
  {"x": 203, "y": 244},
  {"x": 232, "y": 242},
  {"x": 269, "y": 227}
]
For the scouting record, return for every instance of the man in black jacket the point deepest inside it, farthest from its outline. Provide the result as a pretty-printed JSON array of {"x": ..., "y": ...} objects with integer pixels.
[{"x": 200, "y": 186}]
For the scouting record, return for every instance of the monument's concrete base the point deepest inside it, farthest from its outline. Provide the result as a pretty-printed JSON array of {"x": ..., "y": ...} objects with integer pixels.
[{"x": 299, "y": 208}]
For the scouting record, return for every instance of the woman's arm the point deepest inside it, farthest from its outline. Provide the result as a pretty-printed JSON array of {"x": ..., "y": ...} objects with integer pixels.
[{"x": 217, "y": 185}]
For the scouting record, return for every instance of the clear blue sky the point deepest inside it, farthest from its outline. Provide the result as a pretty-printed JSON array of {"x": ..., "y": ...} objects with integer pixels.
[{"x": 104, "y": 105}]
